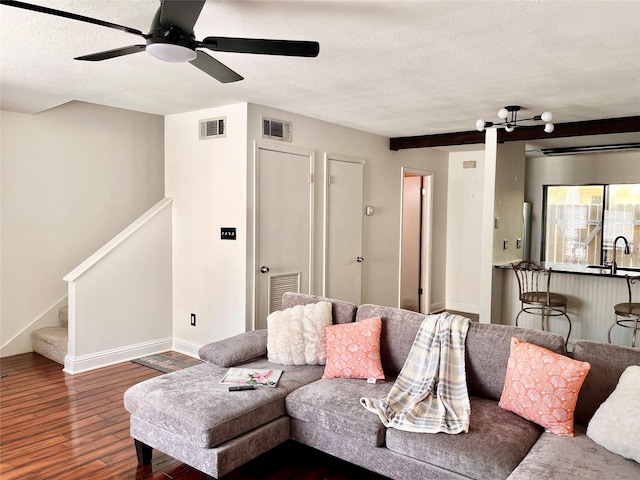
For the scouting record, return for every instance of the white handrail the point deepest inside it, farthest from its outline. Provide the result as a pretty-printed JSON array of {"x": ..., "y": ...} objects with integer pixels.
[{"x": 117, "y": 240}]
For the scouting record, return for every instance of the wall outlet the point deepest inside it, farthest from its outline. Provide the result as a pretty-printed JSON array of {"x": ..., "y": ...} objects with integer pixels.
[
  {"x": 518, "y": 243},
  {"x": 193, "y": 319}
]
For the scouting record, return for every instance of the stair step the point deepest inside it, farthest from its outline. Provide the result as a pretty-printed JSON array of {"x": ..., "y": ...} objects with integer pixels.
[
  {"x": 51, "y": 342},
  {"x": 63, "y": 315}
]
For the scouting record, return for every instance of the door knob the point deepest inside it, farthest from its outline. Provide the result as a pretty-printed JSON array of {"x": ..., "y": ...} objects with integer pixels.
[
  {"x": 359, "y": 259},
  {"x": 264, "y": 269}
]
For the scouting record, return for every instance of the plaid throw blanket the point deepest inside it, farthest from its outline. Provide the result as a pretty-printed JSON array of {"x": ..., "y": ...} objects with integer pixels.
[{"x": 430, "y": 394}]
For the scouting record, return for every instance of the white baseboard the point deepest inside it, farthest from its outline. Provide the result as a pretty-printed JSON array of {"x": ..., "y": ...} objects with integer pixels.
[
  {"x": 463, "y": 307},
  {"x": 186, "y": 347},
  {"x": 83, "y": 363},
  {"x": 437, "y": 307}
]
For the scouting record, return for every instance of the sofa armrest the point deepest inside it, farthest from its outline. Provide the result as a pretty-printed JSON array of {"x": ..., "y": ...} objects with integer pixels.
[{"x": 236, "y": 350}]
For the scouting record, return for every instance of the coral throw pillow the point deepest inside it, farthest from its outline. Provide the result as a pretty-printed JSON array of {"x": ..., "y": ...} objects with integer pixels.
[
  {"x": 543, "y": 386},
  {"x": 353, "y": 350}
]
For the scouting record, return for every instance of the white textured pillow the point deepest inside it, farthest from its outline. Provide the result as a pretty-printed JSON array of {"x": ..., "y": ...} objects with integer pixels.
[
  {"x": 295, "y": 336},
  {"x": 616, "y": 423}
]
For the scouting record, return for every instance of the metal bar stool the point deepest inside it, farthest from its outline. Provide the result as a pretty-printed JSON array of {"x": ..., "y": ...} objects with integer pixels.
[
  {"x": 536, "y": 297},
  {"x": 629, "y": 311}
]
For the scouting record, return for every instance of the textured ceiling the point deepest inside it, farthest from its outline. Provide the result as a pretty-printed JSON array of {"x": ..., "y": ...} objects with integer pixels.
[{"x": 388, "y": 67}]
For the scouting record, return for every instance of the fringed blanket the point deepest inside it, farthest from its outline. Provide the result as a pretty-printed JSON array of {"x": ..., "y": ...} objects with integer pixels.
[{"x": 430, "y": 394}]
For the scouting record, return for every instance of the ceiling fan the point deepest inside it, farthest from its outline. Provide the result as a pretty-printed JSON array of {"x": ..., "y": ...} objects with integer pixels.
[{"x": 171, "y": 39}]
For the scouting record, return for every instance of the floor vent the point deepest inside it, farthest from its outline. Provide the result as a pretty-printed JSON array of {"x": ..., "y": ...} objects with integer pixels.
[
  {"x": 276, "y": 129},
  {"x": 213, "y": 128}
]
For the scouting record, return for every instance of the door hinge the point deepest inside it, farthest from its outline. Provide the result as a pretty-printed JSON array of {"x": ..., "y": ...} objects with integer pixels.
[
  {"x": 420, "y": 291},
  {"x": 311, "y": 178},
  {"x": 423, "y": 191}
]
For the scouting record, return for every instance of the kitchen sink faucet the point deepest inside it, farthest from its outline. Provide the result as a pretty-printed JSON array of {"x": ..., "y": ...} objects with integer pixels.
[{"x": 614, "y": 265}]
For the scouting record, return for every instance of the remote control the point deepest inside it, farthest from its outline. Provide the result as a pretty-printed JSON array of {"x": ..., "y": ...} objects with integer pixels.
[{"x": 241, "y": 387}]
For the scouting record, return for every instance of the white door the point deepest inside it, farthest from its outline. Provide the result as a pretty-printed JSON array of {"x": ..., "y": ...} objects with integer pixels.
[
  {"x": 283, "y": 228},
  {"x": 343, "y": 230}
]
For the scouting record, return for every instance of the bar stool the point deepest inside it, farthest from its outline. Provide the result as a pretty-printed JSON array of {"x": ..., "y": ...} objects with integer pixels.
[
  {"x": 536, "y": 297},
  {"x": 629, "y": 311}
]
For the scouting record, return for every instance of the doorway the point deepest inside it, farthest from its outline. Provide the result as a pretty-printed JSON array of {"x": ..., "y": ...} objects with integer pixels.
[
  {"x": 416, "y": 213},
  {"x": 283, "y": 228}
]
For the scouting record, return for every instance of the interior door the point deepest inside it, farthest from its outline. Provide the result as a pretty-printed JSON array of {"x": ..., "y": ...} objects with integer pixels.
[
  {"x": 284, "y": 194},
  {"x": 343, "y": 233}
]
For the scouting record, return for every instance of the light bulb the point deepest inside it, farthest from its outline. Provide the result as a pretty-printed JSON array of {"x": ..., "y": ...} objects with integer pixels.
[
  {"x": 509, "y": 128},
  {"x": 547, "y": 117},
  {"x": 548, "y": 127},
  {"x": 503, "y": 113},
  {"x": 480, "y": 124}
]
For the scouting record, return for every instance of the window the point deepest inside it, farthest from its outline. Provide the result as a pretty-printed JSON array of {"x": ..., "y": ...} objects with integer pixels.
[{"x": 581, "y": 223}]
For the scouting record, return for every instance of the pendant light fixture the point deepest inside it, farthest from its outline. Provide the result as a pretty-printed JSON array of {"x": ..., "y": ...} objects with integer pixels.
[{"x": 510, "y": 116}]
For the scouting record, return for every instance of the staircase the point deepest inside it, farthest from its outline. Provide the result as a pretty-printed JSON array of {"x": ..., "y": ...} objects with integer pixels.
[{"x": 51, "y": 342}]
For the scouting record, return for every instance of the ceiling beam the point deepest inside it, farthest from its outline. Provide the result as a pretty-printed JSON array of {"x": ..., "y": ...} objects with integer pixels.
[{"x": 570, "y": 129}]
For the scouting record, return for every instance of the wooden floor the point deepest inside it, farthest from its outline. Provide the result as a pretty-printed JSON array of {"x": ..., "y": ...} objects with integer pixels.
[{"x": 56, "y": 426}]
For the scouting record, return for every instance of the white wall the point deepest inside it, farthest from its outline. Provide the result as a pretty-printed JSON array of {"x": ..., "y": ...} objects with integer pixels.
[
  {"x": 584, "y": 169},
  {"x": 208, "y": 181},
  {"x": 464, "y": 226},
  {"x": 72, "y": 177},
  {"x": 120, "y": 298}
]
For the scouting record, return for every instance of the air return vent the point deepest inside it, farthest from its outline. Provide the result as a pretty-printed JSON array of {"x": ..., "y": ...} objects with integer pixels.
[
  {"x": 276, "y": 129},
  {"x": 213, "y": 128}
]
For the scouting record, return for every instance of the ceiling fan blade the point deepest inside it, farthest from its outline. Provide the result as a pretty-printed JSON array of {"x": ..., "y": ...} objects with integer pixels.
[
  {"x": 213, "y": 67},
  {"x": 73, "y": 16},
  {"x": 117, "y": 52},
  {"x": 181, "y": 13},
  {"x": 294, "y": 48}
]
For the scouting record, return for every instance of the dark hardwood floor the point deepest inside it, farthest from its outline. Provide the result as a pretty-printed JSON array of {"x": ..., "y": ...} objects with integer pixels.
[{"x": 56, "y": 426}]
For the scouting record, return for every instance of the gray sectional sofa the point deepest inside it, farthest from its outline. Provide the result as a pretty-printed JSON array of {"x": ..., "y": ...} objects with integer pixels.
[{"x": 192, "y": 417}]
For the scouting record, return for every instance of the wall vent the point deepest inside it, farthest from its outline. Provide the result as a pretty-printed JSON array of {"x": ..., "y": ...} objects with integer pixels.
[
  {"x": 276, "y": 129},
  {"x": 213, "y": 128},
  {"x": 279, "y": 284}
]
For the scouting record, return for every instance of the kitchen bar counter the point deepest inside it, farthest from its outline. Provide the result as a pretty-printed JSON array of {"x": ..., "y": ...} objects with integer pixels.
[
  {"x": 592, "y": 293},
  {"x": 583, "y": 269}
]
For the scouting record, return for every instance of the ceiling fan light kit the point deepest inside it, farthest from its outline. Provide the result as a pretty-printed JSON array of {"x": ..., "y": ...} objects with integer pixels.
[
  {"x": 170, "y": 52},
  {"x": 510, "y": 116},
  {"x": 172, "y": 39}
]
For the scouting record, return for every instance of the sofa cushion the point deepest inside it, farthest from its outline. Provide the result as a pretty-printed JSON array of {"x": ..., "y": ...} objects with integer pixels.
[
  {"x": 343, "y": 312},
  {"x": 554, "y": 457},
  {"x": 543, "y": 386},
  {"x": 353, "y": 350},
  {"x": 192, "y": 402},
  {"x": 296, "y": 335},
  {"x": 496, "y": 442},
  {"x": 399, "y": 329},
  {"x": 236, "y": 350},
  {"x": 488, "y": 348},
  {"x": 334, "y": 404},
  {"x": 607, "y": 364},
  {"x": 615, "y": 423}
]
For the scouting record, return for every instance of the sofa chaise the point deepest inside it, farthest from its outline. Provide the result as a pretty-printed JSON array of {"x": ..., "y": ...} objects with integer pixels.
[{"x": 190, "y": 416}]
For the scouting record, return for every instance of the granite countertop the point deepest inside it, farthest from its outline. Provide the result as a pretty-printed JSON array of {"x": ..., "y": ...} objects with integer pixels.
[{"x": 584, "y": 269}]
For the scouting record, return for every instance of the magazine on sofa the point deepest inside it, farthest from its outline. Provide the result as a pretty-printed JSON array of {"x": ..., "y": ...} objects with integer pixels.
[{"x": 252, "y": 376}]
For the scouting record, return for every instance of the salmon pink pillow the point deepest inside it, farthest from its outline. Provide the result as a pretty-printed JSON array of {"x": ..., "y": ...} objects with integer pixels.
[
  {"x": 543, "y": 386},
  {"x": 353, "y": 350}
]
